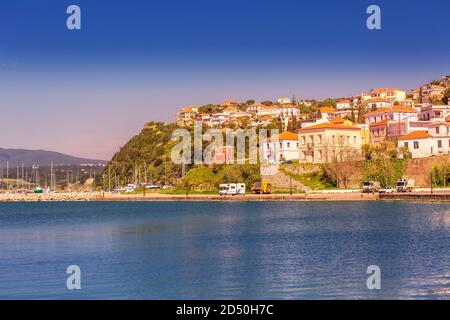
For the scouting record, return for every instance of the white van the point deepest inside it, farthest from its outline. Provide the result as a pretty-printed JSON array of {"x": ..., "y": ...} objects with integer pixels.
[
  {"x": 231, "y": 189},
  {"x": 130, "y": 187}
]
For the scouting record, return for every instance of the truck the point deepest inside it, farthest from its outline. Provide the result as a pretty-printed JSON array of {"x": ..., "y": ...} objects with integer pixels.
[
  {"x": 262, "y": 187},
  {"x": 231, "y": 189},
  {"x": 405, "y": 185},
  {"x": 371, "y": 187}
]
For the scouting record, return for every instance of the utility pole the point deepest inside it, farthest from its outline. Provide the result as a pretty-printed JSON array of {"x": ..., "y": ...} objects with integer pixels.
[
  {"x": 109, "y": 178},
  {"x": 51, "y": 176},
  {"x": 7, "y": 176},
  {"x": 290, "y": 185},
  {"x": 431, "y": 181},
  {"x": 145, "y": 172}
]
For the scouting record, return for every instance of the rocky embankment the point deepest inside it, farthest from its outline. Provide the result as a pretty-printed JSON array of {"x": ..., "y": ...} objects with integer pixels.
[{"x": 53, "y": 196}]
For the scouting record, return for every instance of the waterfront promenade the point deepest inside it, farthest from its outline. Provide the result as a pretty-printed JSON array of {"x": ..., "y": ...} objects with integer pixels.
[{"x": 424, "y": 195}]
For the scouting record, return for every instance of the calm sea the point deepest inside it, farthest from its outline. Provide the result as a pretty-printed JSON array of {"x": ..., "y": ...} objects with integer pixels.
[{"x": 232, "y": 250}]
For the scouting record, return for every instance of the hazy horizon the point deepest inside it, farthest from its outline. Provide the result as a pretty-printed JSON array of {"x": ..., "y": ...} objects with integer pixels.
[{"x": 87, "y": 92}]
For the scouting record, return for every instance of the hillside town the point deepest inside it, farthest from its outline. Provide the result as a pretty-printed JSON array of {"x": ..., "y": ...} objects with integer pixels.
[{"x": 415, "y": 122}]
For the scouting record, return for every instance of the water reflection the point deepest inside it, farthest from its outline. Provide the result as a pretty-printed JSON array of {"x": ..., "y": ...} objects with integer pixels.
[{"x": 225, "y": 250}]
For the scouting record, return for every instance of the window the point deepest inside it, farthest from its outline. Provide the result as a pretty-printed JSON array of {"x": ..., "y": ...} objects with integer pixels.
[
  {"x": 354, "y": 139},
  {"x": 288, "y": 144},
  {"x": 303, "y": 140},
  {"x": 320, "y": 138},
  {"x": 437, "y": 130},
  {"x": 416, "y": 144},
  {"x": 406, "y": 144},
  {"x": 439, "y": 143},
  {"x": 281, "y": 144},
  {"x": 297, "y": 145}
]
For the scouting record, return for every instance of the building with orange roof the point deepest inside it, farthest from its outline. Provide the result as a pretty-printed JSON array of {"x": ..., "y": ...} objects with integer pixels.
[
  {"x": 281, "y": 147},
  {"x": 389, "y": 123},
  {"x": 389, "y": 94},
  {"x": 425, "y": 143},
  {"x": 187, "y": 115},
  {"x": 228, "y": 102},
  {"x": 343, "y": 104},
  {"x": 323, "y": 142}
]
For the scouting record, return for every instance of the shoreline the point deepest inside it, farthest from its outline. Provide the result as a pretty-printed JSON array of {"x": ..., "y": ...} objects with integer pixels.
[
  {"x": 113, "y": 197},
  {"x": 152, "y": 197}
]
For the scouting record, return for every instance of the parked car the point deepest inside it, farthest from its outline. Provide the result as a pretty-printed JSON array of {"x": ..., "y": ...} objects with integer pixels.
[{"x": 387, "y": 190}]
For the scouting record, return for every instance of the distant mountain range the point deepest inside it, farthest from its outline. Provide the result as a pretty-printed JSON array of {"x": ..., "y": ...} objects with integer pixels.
[{"x": 41, "y": 158}]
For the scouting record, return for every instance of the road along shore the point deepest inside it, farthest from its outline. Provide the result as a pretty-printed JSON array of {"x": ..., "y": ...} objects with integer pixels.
[
  {"x": 105, "y": 196},
  {"x": 318, "y": 196}
]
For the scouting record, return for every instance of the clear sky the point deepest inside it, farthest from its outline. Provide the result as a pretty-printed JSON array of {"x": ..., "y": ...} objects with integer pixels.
[{"x": 87, "y": 92}]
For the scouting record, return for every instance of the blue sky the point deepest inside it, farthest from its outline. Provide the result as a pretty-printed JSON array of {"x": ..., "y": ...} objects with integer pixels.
[{"x": 87, "y": 92}]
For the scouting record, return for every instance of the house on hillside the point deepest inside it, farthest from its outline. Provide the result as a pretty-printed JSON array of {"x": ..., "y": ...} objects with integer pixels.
[
  {"x": 324, "y": 142},
  {"x": 389, "y": 123},
  {"x": 389, "y": 94},
  {"x": 429, "y": 112},
  {"x": 377, "y": 103},
  {"x": 187, "y": 115},
  {"x": 254, "y": 107},
  {"x": 425, "y": 143},
  {"x": 281, "y": 147},
  {"x": 284, "y": 100},
  {"x": 273, "y": 111},
  {"x": 229, "y": 103},
  {"x": 327, "y": 113},
  {"x": 343, "y": 104}
]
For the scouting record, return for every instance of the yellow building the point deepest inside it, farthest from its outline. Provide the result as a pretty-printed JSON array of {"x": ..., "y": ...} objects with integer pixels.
[
  {"x": 324, "y": 142},
  {"x": 389, "y": 94}
]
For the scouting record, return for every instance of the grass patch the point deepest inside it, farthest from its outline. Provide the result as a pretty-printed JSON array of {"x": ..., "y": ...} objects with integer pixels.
[{"x": 315, "y": 181}]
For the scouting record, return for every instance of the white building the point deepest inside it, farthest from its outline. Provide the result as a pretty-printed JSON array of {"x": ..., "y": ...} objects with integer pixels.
[
  {"x": 284, "y": 101},
  {"x": 290, "y": 110},
  {"x": 377, "y": 103},
  {"x": 281, "y": 147},
  {"x": 429, "y": 112},
  {"x": 343, "y": 104},
  {"x": 254, "y": 107},
  {"x": 432, "y": 142},
  {"x": 273, "y": 111}
]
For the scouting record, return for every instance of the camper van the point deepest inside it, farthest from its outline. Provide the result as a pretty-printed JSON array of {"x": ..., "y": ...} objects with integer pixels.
[
  {"x": 405, "y": 185},
  {"x": 231, "y": 189}
]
